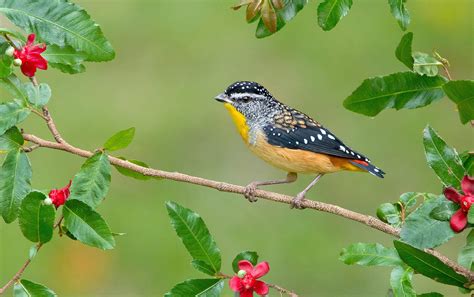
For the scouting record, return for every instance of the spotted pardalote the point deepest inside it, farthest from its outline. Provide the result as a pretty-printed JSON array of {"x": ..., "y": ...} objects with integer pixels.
[{"x": 287, "y": 138}]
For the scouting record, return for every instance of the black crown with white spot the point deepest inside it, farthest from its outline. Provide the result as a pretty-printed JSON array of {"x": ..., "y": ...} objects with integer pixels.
[{"x": 248, "y": 87}]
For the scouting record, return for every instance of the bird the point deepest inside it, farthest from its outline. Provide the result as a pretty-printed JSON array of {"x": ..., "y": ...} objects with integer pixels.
[{"x": 287, "y": 139}]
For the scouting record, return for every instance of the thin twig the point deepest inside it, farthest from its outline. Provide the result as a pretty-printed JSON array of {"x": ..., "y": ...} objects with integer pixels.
[
  {"x": 282, "y": 290},
  {"x": 17, "y": 275},
  {"x": 52, "y": 126}
]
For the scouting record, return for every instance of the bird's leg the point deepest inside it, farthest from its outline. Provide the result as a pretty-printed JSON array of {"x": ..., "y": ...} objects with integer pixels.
[
  {"x": 297, "y": 201},
  {"x": 252, "y": 187}
]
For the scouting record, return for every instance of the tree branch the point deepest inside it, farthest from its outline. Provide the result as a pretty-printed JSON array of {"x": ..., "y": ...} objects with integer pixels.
[
  {"x": 231, "y": 188},
  {"x": 370, "y": 221},
  {"x": 221, "y": 186}
]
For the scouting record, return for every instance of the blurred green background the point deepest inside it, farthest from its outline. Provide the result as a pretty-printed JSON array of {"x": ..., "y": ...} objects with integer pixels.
[{"x": 172, "y": 58}]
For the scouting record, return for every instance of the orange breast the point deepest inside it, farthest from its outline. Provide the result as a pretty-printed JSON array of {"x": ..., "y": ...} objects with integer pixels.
[{"x": 299, "y": 161}]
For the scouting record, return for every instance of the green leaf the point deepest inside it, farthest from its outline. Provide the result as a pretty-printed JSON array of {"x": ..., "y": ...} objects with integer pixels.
[
  {"x": 444, "y": 211},
  {"x": 91, "y": 183},
  {"x": 26, "y": 288},
  {"x": 197, "y": 288},
  {"x": 466, "y": 254},
  {"x": 409, "y": 199},
  {"x": 6, "y": 65},
  {"x": 15, "y": 183},
  {"x": 429, "y": 265},
  {"x": 120, "y": 140},
  {"x": 66, "y": 59},
  {"x": 192, "y": 230},
  {"x": 403, "y": 51},
  {"x": 250, "y": 256},
  {"x": 36, "y": 219},
  {"x": 421, "y": 231},
  {"x": 461, "y": 92},
  {"x": 284, "y": 15},
  {"x": 400, "y": 12},
  {"x": 431, "y": 294},
  {"x": 401, "y": 282},
  {"x": 61, "y": 23},
  {"x": 12, "y": 113},
  {"x": 442, "y": 158},
  {"x": 14, "y": 86},
  {"x": 87, "y": 225},
  {"x": 38, "y": 96},
  {"x": 470, "y": 217},
  {"x": 131, "y": 173},
  {"x": 203, "y": 267},
  {"x": 425, "y": 64},
  {"x": 71, "y": 69},
  {"x": 330, "y": 12},
  {"x": 389, "y": 213},
  {"x": 11, "y": 140},
  {"x": 467, "y": 162},
  {"x": 399, "y": 90},
  {"x": 370, "y": 254},
  {"x": 69, "y": 234}
]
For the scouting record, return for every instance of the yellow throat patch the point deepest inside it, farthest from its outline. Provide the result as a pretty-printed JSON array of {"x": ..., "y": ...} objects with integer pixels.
[{"x": 239, "y": 121}]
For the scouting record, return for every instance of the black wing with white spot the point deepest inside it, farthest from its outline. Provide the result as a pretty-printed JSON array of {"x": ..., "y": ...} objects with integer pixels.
[
  {"x": 315, "y": 139},
  {"x": 294, "y": 130}
]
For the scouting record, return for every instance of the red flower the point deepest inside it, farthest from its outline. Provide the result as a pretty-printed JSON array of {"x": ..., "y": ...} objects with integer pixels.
[
  {"x": 459, "y": 218},
  {"x": 249, "y": 283},
  {"x": 30, "y": 56},
  {"x": 59, "y": 196}
]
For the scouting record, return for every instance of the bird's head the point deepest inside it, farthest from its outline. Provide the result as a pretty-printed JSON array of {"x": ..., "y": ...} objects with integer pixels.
[{"x": 249, "y": 98}]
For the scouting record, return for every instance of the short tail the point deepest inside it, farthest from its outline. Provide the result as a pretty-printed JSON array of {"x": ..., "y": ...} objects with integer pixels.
[{"x": 366, "y": 166}]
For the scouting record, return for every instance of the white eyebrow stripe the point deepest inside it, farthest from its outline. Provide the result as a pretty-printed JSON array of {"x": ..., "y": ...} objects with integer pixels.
[{"x": 242, "y": 95}]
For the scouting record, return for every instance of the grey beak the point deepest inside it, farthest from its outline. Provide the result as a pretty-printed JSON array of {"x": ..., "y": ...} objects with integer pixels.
[{"x": 223, "y": 98}]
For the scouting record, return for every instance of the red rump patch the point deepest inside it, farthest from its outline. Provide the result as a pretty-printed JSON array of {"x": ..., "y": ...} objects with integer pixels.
[{"x": 361, "y": 162}]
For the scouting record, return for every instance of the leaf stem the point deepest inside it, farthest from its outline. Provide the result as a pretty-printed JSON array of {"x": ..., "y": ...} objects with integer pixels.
[
  {"x": 33, "y": 110},
  {"x": 447, "y": 72},
  {"x": 10, "y": 41}
]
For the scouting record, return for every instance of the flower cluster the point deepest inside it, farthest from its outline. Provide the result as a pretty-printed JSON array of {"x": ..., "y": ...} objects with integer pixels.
[
  {"x": 30, "y": 57},
  {"x": 245, "y": 282},
  {"x": 459, "y": 219}
]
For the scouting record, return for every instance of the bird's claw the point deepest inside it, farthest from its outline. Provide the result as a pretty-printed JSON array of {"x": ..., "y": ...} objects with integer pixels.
[
  {"x": 250, "y": 192},
  {"x": 298, "y": 201}
]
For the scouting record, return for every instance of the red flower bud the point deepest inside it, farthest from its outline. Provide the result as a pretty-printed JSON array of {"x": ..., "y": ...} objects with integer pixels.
[
  {"x": 59, "y": 196},
  {"x": 30, "y": 56}
]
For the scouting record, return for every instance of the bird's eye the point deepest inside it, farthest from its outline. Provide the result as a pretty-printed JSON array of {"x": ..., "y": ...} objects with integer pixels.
[{"x": 246, "y": 99}]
